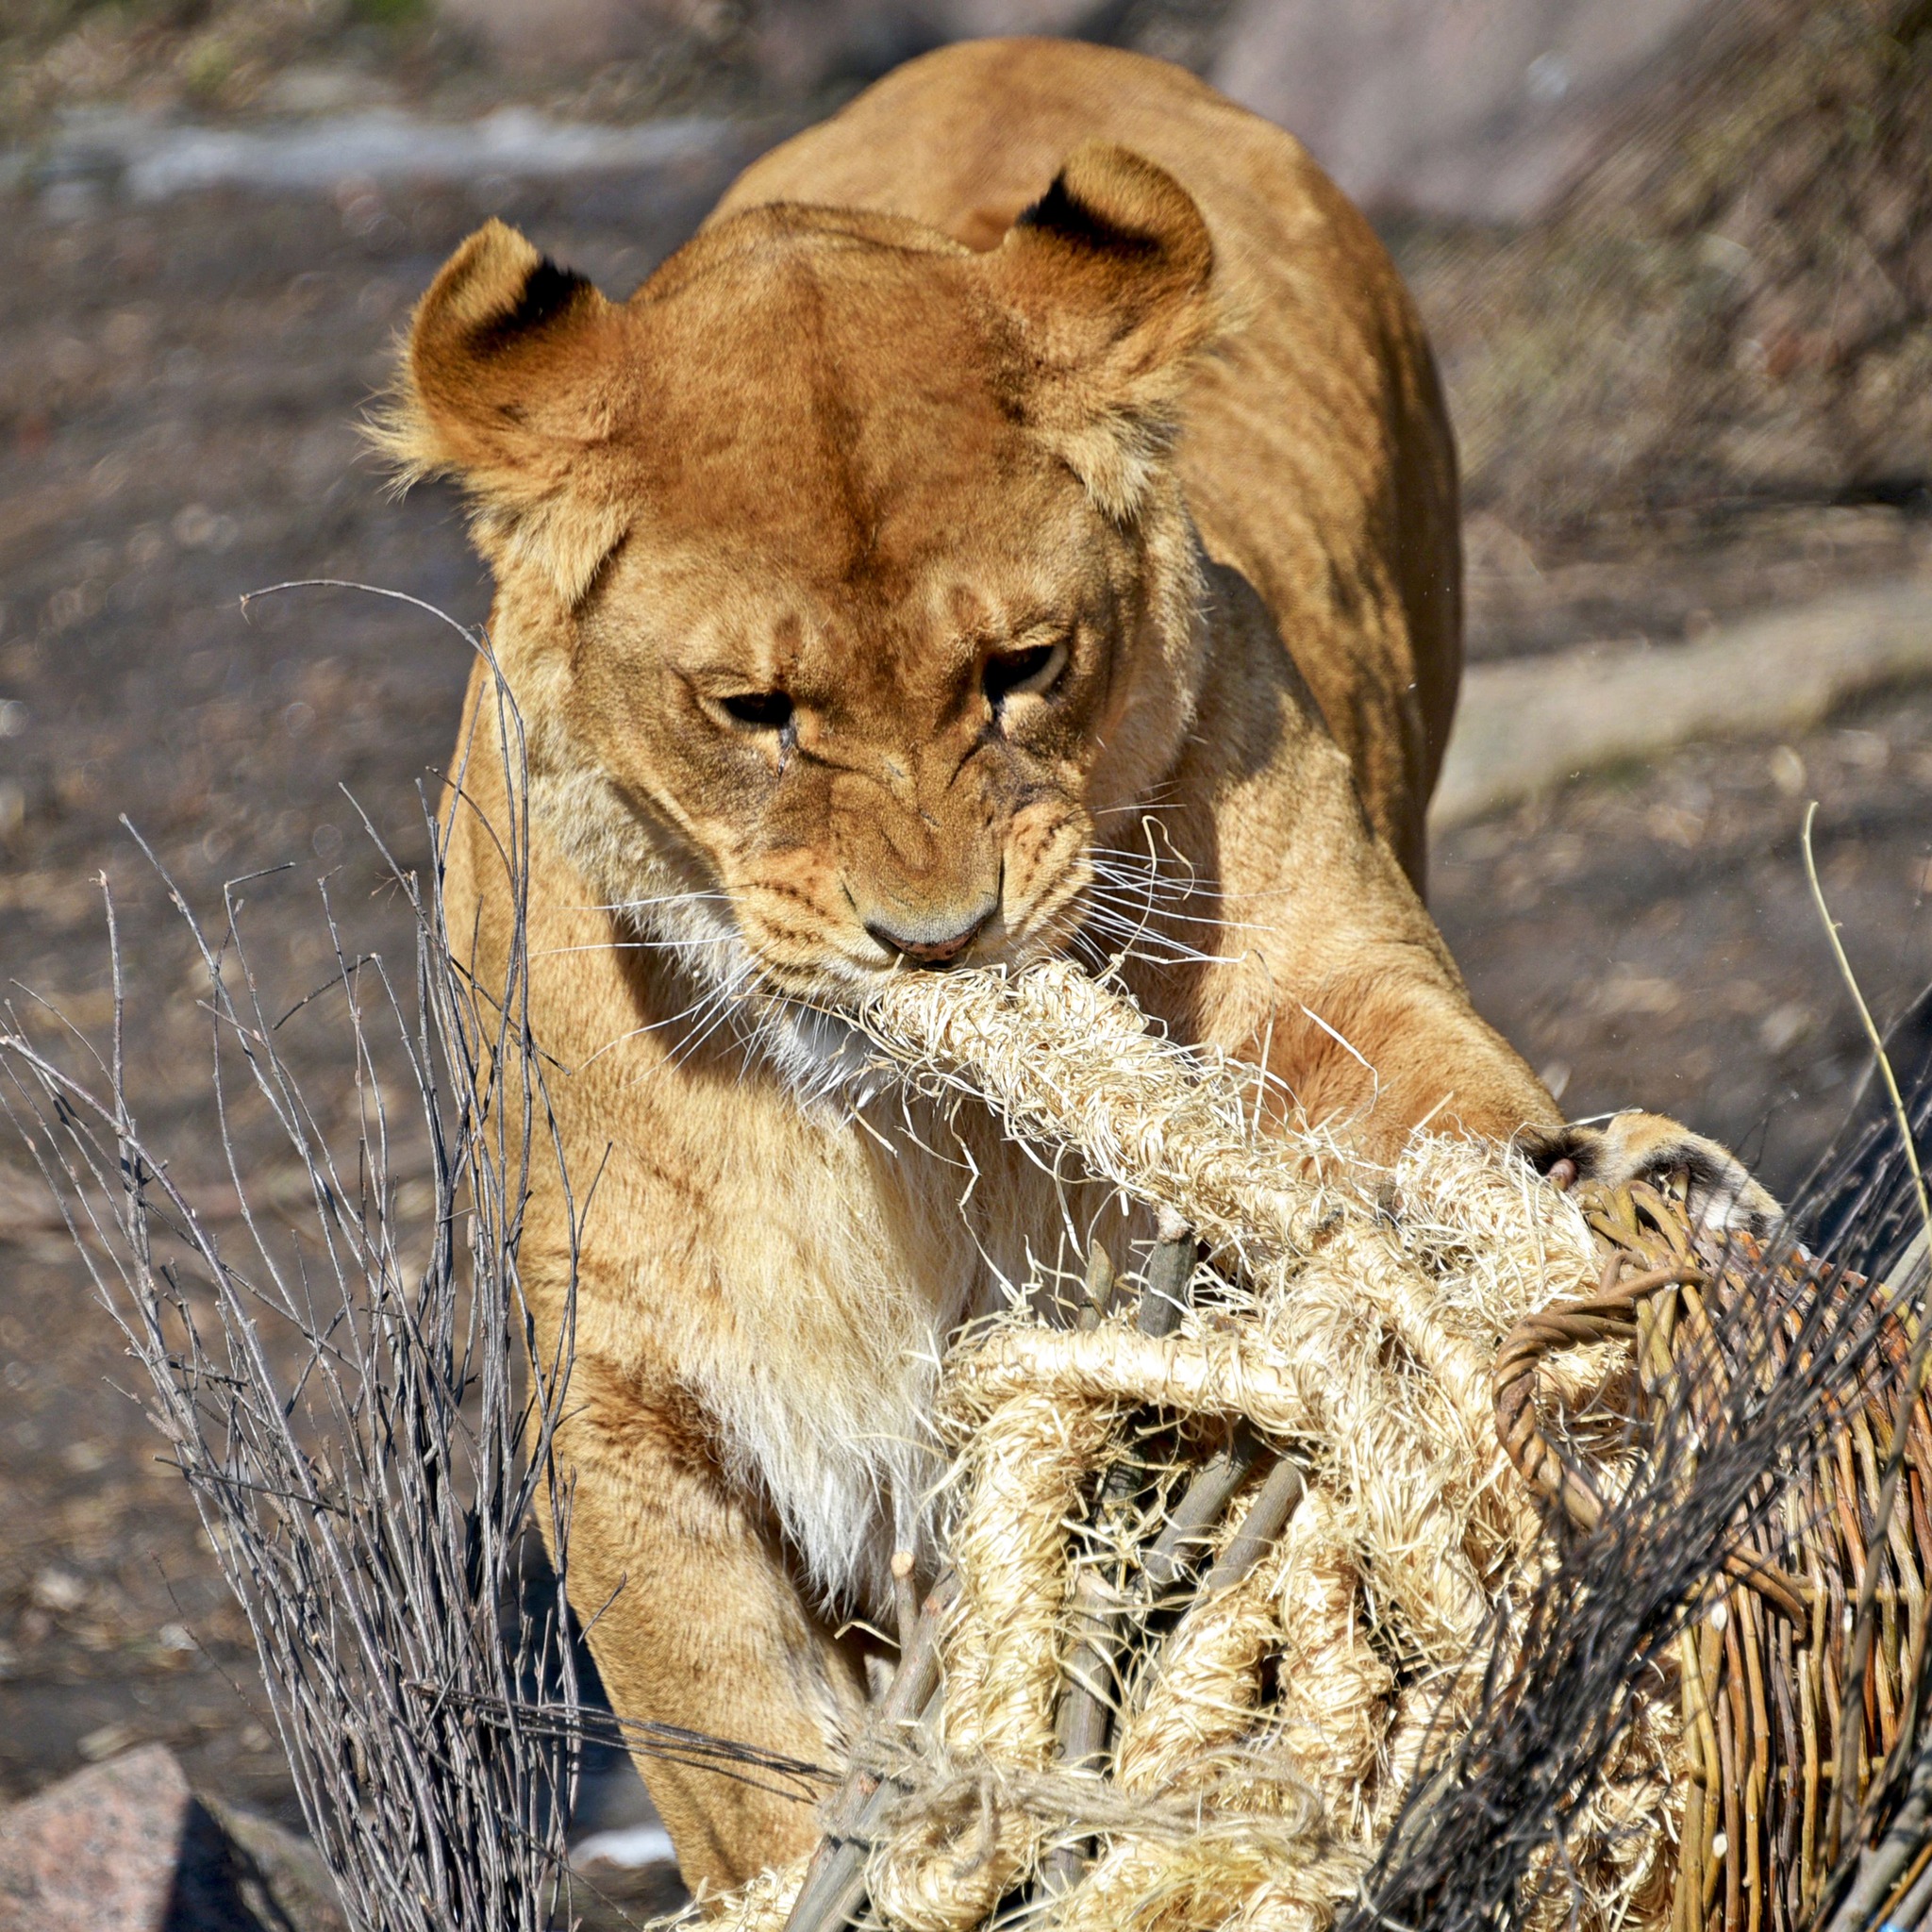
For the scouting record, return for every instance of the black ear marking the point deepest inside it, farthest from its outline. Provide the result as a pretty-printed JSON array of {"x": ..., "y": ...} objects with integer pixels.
[
  {"x": 1126, "y": 228},
  {"x": 548, "y": 291},
  {"x": 1059, "y": 213}
]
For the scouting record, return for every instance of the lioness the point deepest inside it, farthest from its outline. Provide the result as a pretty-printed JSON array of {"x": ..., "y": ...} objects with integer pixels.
[{"x": 1022, "y": 519}]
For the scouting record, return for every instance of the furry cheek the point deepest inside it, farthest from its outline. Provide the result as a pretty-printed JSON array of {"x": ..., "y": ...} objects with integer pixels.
[
  {"x": 1046, "y": 868},
  {"x": 792, "y": 920}
]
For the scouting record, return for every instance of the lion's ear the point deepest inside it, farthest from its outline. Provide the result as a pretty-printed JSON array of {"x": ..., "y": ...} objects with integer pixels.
[
  {"x": 512, "y": 381},
  {"x": 1108, "y": 275}
]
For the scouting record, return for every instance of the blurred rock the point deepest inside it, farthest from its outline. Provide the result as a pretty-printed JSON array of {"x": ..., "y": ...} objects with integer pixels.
[
  {"x": 560, "y": 35},
  {"x": 796, "y": 45},
  {"x": 1483, "y": 109},
  {"x": 802, "y": 44},
  {"x": 128, "y": 1848},
  {"x": 98, "y": 1851}
]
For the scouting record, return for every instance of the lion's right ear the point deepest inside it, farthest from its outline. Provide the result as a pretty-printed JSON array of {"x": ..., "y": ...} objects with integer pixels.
[
  {"x": 512, "y": 382},
  {"x": 1109, "y": 276}
]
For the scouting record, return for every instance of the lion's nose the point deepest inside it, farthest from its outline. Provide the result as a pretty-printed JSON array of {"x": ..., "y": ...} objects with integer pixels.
[{"x": 925, "y": 944}]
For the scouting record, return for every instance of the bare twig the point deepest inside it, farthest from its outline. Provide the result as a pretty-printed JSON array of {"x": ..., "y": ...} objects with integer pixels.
[
  {"x": 1277, "y": 1500},
  {"x": 1852, "y": 1721},
  {"x": 834, "y": 1884},
  {"x": 1097, "y": 1611},
  {"x": 364, "y": 1407}
]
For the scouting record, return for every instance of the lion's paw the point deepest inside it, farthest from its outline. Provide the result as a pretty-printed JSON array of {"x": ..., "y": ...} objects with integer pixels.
[{"x": 1648, "y": 1146}]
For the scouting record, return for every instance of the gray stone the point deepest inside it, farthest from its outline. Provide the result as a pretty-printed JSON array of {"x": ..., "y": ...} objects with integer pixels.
[
  {"x": 1486, "y": 108},
  {"x": 126, "y": 1847},
  {"x": 802, "y": 43},
  {"x": 97, "y": 1852}
]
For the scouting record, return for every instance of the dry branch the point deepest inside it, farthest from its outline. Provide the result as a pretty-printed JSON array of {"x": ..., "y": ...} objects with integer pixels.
[{"x": 356, "y": 1396}]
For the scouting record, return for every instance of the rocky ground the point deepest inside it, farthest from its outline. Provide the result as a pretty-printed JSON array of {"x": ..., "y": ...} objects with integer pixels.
[
  {"x": 1647, "y": 935},
  {"x": 179, "y": 390},
  {"x": 179, "y": 385}
]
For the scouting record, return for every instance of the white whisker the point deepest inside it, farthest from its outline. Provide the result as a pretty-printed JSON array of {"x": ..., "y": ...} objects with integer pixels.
[
  {"x": 726, "y": 939},
  {"x": 637, "y": 1032},
  {"x": 1135, "y": 866},
  {"x": 690, "y": 898},
  {"x": 1170, "y": 907}
]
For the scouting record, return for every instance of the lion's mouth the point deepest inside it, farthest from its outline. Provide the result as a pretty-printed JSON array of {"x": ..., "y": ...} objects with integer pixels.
[{"x": 796, "y": 997}]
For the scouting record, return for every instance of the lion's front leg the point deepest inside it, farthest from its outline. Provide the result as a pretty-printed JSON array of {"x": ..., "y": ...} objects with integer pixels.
[
  {"x": 1406, "y": 1050},
  {"x": 1373, "y": 1054},
  {"x": 694, "y": 1621}
]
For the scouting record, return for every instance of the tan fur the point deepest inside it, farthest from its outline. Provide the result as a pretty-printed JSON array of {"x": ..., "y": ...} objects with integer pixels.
[{"x": 871, "y": 432}]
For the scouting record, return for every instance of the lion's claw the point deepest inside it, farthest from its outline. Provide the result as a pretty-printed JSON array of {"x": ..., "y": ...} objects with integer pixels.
[{"x": 1647, "y": 1146}]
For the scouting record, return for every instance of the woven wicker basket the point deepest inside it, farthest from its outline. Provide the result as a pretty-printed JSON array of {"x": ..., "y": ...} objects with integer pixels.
[
  {"x": 1692, "y": 1326},
  {"x": 1760, "y": 1673}
]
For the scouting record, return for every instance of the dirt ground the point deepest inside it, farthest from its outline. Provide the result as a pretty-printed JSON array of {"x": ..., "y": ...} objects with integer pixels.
[{"x": 178, "y": 392}]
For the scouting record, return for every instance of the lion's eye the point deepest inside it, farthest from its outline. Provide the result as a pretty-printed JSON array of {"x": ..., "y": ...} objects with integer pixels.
[
  {"x": 770, "y": 711},
  {"x": 1034, "y": 671}
]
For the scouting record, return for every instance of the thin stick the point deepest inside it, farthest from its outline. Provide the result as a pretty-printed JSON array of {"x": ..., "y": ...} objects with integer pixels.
[
  {"x": 1851, "y": 1723},
  {"x": 1911, "y": 1910},
  {"x": 1097, "y": 1611},
  {"x": 1199, "y": 1509},
  {"x": 1885, "y": 1070},
  {"x": 1279, "y": 1497},
  {"x": 905, "y": 1600},
  {"x": 834, "y": 1886},
  {"x": 1170, "y": 1270}
]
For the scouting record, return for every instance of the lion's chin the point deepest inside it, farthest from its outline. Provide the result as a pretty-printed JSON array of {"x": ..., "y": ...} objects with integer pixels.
[
  {"x": 807, "y": 1026},
  {"x": 803, "y": 1024},
  {"x": 816, "y": 1043}
]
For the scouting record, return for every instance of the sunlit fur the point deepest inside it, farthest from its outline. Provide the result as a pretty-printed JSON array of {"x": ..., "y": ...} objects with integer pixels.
[
  {"x": 846, "y": 456},
  {"x": 947, "y": 388}
]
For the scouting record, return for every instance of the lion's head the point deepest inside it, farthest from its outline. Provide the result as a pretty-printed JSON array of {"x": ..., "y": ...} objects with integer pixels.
[{"x": 844, "y": 582}]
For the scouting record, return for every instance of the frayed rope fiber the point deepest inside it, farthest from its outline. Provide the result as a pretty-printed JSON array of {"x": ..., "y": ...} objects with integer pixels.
[{"x": 1274, "y": 1688}]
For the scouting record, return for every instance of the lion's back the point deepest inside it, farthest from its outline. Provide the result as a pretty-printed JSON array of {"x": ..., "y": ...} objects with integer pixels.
[{"x": 1317, "y": 457}]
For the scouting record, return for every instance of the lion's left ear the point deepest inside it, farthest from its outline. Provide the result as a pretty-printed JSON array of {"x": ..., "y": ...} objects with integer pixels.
[
  {"x": 1107, "y": 277},
  {"x": 515, "y": 377}
]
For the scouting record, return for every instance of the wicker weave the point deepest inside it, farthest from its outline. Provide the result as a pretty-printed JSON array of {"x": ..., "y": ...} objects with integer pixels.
[{"x": 1759, "y": 1671}]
